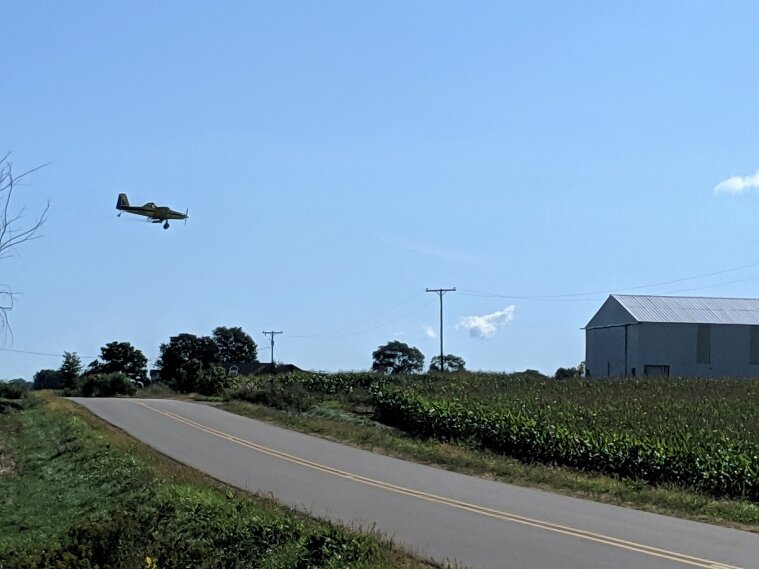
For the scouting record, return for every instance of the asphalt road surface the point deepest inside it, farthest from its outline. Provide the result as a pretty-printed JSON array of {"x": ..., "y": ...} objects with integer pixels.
[{"x": 438, "y": 514}]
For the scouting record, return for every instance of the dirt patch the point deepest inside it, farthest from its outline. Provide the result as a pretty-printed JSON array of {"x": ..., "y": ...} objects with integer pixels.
[{"x": 7, "y": 464}]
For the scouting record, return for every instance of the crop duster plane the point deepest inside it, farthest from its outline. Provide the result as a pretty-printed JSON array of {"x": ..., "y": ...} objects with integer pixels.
[{"x": 154, "y": 213}]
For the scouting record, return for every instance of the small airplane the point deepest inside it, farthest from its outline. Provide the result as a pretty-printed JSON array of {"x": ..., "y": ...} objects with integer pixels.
[{"x": 154, "y": 213}]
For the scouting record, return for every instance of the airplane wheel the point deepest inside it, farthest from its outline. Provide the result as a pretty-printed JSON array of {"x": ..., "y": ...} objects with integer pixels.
[{"x": 166, "y": 225}]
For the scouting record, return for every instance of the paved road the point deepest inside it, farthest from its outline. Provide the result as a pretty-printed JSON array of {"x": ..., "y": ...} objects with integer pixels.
[{"x": 439, "y": 514}]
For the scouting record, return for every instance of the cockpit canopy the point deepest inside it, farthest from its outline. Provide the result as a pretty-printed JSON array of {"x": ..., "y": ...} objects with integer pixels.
[{"x": 150, "y": 205}]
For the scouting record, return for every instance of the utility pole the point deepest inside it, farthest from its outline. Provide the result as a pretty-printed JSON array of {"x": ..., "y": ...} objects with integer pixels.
[
  {"x": 272, "y": 334},
  {"x": 440, "y": 292}
]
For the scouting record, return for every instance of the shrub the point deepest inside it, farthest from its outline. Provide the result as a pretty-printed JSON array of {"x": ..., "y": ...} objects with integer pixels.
[
  {"x": 10, "y": 391},
  {"x": 212, "y": 381},
  {"x": 106, "y": 385},
  {"x": 566, "y": 373}
]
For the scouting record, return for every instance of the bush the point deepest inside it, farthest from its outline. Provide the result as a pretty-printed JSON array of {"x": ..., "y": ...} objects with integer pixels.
[
  {"x": 212, "y": 381},
  {"x": 10, "y": 391},
  {"x": 106, "y": 385},
  {"x": 566, "y": 373},
  {"x": 283, "y": 395}
]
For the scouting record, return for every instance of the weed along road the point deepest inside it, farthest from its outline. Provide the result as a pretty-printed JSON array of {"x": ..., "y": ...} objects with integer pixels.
[{"x": 438, "y": 514}]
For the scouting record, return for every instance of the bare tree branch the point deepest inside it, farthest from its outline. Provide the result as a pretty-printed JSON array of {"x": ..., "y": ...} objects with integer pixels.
[{"x": 13, "y": 231}]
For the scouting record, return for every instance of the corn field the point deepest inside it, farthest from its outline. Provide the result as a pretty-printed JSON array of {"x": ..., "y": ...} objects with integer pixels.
[
  {"x": 697, "y": 434},
  {"x": 692, "y": 433}
]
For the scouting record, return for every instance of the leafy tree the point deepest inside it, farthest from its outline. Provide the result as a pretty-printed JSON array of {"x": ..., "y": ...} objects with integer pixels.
[
  {"x": 566, "y": 373},
  {"x": 106, "y": 385},
  {"x": 13, "y": 228},
  {"x": 70, "y": 369},
  {"x": 10, "y": 390},
  {"x": 234, "y": 345},
  {"x": 451, "y": 363},
  {"x": 185, "y": 356},
  {"x": 21, "y": 383},
  {"x": 186, "y": 376},
  {"x": 48, "y": 379},
  {"x": 533, "y": 374},
  {"x": 212, "y": 381},
  {"x": 397, "y": 358},
  {"x": 121, "y": 357}
]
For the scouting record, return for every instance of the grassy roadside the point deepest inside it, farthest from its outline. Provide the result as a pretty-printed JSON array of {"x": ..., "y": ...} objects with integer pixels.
[
  {"x": 76, "y": 492},
  {"x": 331, "y": 422}
]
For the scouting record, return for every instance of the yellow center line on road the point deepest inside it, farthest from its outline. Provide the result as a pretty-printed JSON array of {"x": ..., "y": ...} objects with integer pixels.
[{"x": 481, "y": 510}]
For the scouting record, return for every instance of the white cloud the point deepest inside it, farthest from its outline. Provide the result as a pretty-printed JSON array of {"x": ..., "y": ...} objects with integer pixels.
[
  {"x": 487, "y": 325},
  {"x": 737, "y": 184},
  {"x": 430, "y": 331}
]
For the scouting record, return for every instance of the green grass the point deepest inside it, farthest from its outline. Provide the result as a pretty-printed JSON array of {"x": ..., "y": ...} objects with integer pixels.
[{"x": 76, "y": 492}]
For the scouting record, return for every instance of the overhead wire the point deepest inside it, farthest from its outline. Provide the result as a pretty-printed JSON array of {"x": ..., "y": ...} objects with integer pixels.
[
  {"x": 717, "y": 285},
  {"x": 345, "y": 331},
  {"x": 575, "y": 297},
  {"x": 50, "y": 354},
  {"x": 44, "y": 353},
  {"x": 365, "y": 330}
]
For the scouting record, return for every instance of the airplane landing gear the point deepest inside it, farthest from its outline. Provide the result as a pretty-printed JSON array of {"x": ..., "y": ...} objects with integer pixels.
[{"x": 166, "y": 225}]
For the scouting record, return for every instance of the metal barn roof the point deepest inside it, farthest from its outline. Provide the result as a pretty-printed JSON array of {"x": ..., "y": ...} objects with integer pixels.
[{"x": 691, "y": 309}]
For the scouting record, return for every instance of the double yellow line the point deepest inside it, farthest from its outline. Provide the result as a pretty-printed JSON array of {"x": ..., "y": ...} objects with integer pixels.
[{"x": 481, "y": 510}]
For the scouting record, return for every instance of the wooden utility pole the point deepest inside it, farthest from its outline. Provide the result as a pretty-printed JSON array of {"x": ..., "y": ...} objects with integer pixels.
[
  {"x": 272, "y": 334},
  {"x": 440, "y": 292}
]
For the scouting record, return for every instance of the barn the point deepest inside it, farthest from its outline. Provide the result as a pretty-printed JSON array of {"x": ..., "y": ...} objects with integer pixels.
[{"x": 674, "y": 336}]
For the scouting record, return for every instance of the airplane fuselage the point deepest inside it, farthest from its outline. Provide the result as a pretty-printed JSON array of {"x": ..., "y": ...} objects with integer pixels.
[
  {"x": 154, "y": 213},
  {"x": 159, "y": 213}
]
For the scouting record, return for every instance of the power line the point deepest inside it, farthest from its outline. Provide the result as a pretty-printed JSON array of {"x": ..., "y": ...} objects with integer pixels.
[
  {"x": 56, "y": 355},
  {"x": 272, "y": 334},
  {"x": 365, "y": 330},
  {"x": 44, "y": 353},
  {"x": 712, "y": 285},
  {"x": 440, "y": 292},
  {"x": 574, "y": 297},
  {"x": 343, "y": 331}
]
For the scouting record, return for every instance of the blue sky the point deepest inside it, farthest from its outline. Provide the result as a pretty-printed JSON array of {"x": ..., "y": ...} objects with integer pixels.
[{"x": 337, "y": 158}]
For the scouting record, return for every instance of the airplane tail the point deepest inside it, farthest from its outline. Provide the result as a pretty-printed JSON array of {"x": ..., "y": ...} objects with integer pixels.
[{"x": 122, "y": 202}]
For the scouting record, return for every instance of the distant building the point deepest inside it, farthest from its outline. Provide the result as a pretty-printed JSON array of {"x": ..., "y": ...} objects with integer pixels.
[
  {"x": 257, "y": 368},
  {"x": 241, "y": 369},
  {"x": 634, "y": 335}
]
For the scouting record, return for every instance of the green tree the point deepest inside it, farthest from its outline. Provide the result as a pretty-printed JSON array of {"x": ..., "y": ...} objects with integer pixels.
[
  {"x": 121, "y": 357},
  {"x": 397, "y": 358},
  {"x": 212, "y": 381},
  {"x": 451, "y": 363},
  {"x": 48, "y": 379},
  {"x": 234, "y": 345},
  {"x": 184, "y": 357},
  {"x": 566, "y": 373},
  {"x": 21, "y": 383},
  {"x": 106, "y": 385},
  {"x": 70, "y": 369}
]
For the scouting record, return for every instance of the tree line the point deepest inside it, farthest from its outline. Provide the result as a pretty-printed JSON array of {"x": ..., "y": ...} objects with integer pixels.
[
  {"x": 187, "y": 362},
  {"x": 201, "y": 364},
  {"x": 191, "y": 363}
]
